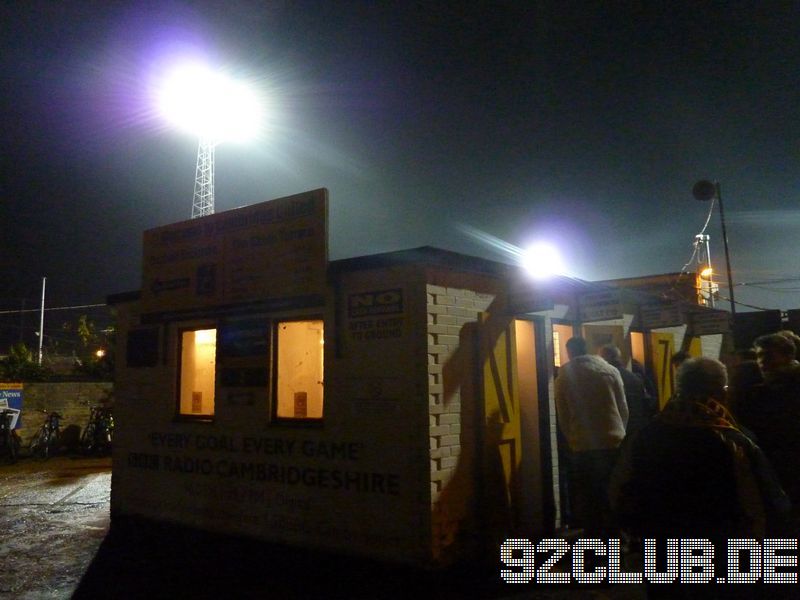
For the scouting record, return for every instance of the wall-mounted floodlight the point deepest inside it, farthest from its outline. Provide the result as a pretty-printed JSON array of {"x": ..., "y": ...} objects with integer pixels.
[{"x": 216, "y": 109}]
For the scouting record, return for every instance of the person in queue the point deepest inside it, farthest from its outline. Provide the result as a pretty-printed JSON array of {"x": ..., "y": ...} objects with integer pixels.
[
  {"x": 692, "y": 473},
  {"x": 641, "y": 406},
  {"x": 771, "y": 409},
  {"x": 592, "y": 415},
  {"x": 744, "y": 375}
]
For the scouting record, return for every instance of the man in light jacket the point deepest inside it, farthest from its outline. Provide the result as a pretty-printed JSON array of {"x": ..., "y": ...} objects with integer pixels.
[{"x": 592, "y": 415}]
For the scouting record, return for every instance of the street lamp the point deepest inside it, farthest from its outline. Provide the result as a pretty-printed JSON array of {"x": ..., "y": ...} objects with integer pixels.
[
  {"x": 705, "y": 190},
  {"x": 213, "y": 107}
]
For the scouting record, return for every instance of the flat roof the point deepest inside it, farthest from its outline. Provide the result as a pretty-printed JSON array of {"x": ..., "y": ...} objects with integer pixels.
[
  {"x": 430, "y": 256},
  {"x": 423, "y": 255}
]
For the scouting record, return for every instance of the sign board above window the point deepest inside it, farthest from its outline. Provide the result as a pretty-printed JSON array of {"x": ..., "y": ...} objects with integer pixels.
[
  {"x": 600, "y": 306},
  {"x": 709, "y": 322},
  {"x": 656, "y": 316}
]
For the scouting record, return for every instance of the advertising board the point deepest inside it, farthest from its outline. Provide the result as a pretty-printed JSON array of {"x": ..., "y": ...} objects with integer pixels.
[
  {"x": 274, "y": 249},
  {"x": 11, "y": 399}
]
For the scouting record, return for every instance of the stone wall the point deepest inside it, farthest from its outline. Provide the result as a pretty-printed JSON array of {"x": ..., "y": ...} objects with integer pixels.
[{"x": 72, "y": 400}]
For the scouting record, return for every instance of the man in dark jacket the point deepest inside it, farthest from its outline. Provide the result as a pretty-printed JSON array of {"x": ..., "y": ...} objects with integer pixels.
[
  {"x": 771, "y": 410},
  {"x": 692, "y": 473},
  {"x": 641, "y": 406}
]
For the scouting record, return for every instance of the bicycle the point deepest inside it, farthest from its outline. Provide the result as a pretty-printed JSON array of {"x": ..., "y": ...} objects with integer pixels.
[
  {"x": 9, "y": 439},
  {"x": 96, "y": 437},
  {"x": 46, "y": 440}
]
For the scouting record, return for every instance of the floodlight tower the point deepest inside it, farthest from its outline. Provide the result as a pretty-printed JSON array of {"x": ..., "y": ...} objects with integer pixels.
[
  {"x": 214, "y": 108},
  {"x": 203, "y": 201}
]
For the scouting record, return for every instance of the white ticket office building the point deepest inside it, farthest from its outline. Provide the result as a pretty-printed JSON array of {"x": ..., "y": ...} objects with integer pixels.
[{"x": 394, "y": 405}]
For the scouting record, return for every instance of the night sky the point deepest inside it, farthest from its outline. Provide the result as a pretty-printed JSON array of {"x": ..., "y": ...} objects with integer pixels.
[{"x": 582, "y": 123}]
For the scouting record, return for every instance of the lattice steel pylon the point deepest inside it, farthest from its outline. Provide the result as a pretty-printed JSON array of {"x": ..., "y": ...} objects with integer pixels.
[
  {"x": 707, "y": 289},
  {"x": 203, "y": 201}
]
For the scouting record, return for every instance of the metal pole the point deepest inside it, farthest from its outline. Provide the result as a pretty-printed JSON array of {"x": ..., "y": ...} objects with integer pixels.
[
  {"x": 22, "y": 321},
  {"x": 725, "y": 244},
  {"x": 41, "y": 322}
]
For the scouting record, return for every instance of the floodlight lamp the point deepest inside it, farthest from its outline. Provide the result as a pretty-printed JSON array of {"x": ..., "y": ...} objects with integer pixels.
[
  {"x": 209, "y": 105},
  {"x": 542, "y": 261},
  {"x": 707, "y": 273}
]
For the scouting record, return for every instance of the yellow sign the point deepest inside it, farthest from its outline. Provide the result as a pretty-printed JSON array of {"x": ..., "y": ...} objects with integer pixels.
[
  {"x": 663, "y": 346},
  {"x": 274, "y": 249}
]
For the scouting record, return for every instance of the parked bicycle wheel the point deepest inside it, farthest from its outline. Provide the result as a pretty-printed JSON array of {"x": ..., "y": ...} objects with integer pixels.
[
  {"x": 97, "y": 435},
  {"x": 14, "y": 446},
  {"x": 9, "y": 440},
  {"x": 40, "y": 445},
  {"x": 88, "y": 436},
  {"x": 105, "y": 433},
  {"x": 47, "y": 438}
]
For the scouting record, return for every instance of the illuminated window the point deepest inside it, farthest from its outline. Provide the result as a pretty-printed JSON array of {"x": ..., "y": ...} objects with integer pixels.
[
  {"x": 557, "y": 348},
  {"x": 299, "y": 387},
  {"x": 561, "y": 333},
  {"x": 198, "y": 370}
]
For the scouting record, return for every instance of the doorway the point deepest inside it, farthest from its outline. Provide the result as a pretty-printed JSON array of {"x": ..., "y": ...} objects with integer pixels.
[{"x": 518, "y": 423}]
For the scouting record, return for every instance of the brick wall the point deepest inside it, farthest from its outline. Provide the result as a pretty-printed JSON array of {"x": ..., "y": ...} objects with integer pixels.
[
  {"x": 452, "y": 402},
  {"x": 71, "y": 400}
]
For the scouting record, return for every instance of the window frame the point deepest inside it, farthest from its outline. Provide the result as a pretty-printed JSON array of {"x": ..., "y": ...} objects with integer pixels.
[
  {"x": 188, "y": 417},
  {"x": 273, "y": 387}
]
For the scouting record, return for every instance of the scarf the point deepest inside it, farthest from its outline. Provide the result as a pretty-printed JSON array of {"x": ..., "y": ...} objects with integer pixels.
[
  {"x": 698, "y": 413},
  {"x": 711, "y": 414}
]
